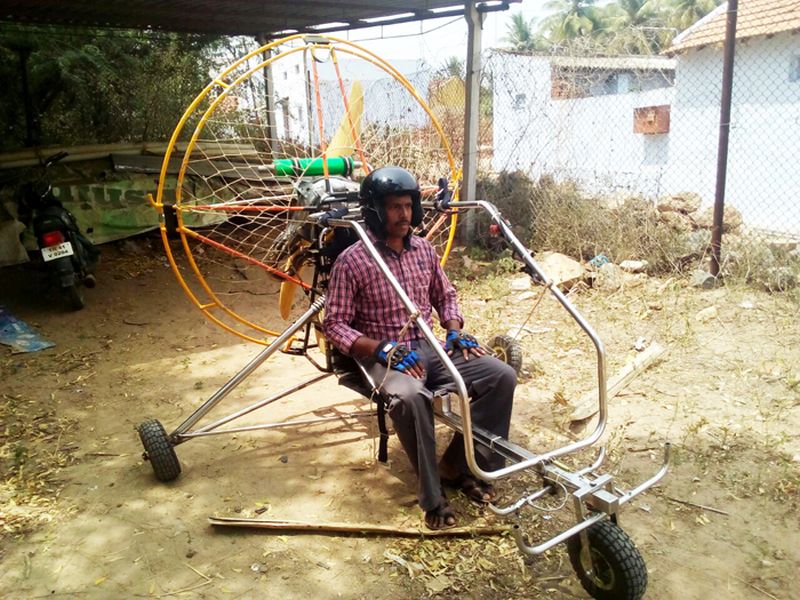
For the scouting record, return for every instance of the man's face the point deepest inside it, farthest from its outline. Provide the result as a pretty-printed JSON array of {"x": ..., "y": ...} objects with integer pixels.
[{"x": 398, "y": 215}]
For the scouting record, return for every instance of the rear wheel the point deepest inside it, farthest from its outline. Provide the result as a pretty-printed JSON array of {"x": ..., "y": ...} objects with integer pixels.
[
  {"x": 508, "y": 350},
  {"x": 158, "y": 450},
  {"x": 612, "y": 569}
]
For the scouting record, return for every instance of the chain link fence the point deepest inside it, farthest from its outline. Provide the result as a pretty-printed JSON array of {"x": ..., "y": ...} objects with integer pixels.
[{"x": 617, "y": 155}]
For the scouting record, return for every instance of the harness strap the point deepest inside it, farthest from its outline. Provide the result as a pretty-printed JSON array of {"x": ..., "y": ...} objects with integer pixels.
[{"x": 383, "y": 444}]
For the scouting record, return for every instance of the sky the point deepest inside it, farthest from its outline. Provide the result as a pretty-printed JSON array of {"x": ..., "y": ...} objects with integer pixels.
[{"x": 441, "y": 38}]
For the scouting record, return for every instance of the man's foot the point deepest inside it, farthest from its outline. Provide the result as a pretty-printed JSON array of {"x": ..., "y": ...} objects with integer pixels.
[
  {"x": 474, "y": 489},
  {"x": 441, "y": 517}
]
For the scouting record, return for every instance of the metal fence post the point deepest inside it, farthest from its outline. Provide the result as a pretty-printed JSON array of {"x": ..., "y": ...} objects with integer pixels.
[{"x": 724, "y": 133}]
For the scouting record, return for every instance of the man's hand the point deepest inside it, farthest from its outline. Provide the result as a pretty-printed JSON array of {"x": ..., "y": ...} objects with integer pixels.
[
  {"x": 398, "y": 357},
  {"x": 467, "y": 344}
]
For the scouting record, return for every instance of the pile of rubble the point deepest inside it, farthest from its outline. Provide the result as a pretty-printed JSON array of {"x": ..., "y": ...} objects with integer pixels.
[{"x": 682, "y": 212}]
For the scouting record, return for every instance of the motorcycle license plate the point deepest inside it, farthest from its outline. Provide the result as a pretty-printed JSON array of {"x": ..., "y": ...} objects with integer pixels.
[{"x": 60, "y": 251}]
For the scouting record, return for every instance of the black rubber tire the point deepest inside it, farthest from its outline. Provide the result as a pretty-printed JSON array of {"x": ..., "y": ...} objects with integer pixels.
[
  {"x": 74, "y": 297},
  {"x": 617, "y": 571},
  {"x": 158, "y": 450},
  {"x": 508, "y": 350}
]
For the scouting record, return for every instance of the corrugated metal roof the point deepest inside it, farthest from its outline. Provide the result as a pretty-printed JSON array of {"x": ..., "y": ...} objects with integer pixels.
[
  {"x": 756, "y": 17},
  {"x": 232, "y": 17}
]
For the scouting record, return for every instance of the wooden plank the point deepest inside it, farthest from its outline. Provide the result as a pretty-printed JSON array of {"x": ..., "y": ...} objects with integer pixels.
[
  {"x": 588, "y": 403},
  {"x": 354, "y": 528}
]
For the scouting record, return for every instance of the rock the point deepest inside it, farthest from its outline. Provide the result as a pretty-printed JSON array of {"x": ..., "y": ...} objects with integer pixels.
[
  {"x": 563, "y": 270},
  {"x": 677, "y": 221},
  {"x": 469, "y": 264},
  {"x": 633, "y": 266},
  {"x": 731, "y": 219},
  {"x": 683, "y": 202},
  {"x": 519, "y": 284},
  {"x": 706, "y": 314},
  {"x": 525, "y": 296},
  {"x": 633, "y": 280},
  {"x": 609, "y": 278},
  {"x": 703, "y": 279}
]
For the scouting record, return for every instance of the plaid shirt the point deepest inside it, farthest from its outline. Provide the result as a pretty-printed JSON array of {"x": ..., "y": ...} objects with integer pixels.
[{"x": 360, "y": 301}]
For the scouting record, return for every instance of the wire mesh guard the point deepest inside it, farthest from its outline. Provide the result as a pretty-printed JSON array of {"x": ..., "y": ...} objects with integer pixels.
[{"x": 240, "y": 172}]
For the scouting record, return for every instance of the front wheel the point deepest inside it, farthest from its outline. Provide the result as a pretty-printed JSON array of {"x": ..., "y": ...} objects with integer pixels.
[
  {"x": 612, "y": 569},
  {"x": 159, "y": 450}
]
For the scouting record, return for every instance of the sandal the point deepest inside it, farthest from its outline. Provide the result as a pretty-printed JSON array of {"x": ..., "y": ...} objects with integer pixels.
[
  {"x": 476, "y": 490},
  {"x": 441, "y": 517}
]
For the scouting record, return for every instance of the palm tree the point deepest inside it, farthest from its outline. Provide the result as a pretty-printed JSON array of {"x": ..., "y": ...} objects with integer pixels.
[
  {"x": 521, "y": 36},
  {"x": 571, "y": 19},
  {"x": 684, "y": 13},
  {"x": 629, "y": 27},
  {"x": 452, "y": 67}
]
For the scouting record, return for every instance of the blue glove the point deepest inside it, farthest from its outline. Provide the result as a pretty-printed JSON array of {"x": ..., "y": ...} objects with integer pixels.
[
  {"x": 458, "y": 340},
  {"x": 396, "y": 356}
]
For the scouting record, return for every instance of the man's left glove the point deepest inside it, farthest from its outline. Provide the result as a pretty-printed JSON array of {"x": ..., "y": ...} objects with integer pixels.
[{"x": 458, "y": 340}]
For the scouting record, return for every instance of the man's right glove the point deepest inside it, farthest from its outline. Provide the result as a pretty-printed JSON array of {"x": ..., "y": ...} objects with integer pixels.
[{"x": 396, "y": 356}]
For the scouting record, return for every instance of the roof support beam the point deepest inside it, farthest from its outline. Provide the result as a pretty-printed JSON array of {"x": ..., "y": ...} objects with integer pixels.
[{"x": 470, "y": 160}]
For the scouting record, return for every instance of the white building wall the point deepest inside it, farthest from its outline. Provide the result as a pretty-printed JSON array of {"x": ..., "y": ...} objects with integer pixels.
[
  {"x": 386, "y": 101},
  {"x": 591, "y": 140},
  {"x": 764, "y": 146}
]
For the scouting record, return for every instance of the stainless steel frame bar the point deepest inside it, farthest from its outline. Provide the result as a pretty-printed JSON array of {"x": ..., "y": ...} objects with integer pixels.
[
  {"x": 580, "y": 497},
  {"x": 259, "y": 359},
  {"x": 262, "y": 403},
  {"x": 296, "y": 422}
]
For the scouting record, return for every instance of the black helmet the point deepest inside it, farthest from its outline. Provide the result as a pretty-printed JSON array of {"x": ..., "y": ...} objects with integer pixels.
[{"x": 386, "y": 181}]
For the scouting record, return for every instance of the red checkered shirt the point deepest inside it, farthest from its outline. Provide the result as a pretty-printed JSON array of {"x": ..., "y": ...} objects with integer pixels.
[{"x": 360, "y": 300}]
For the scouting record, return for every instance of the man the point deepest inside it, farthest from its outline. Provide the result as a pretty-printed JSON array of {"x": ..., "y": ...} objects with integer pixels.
[{"x": 365, "y": 319}]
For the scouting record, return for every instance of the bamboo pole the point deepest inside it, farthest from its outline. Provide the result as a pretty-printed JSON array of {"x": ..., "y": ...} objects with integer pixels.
[{"x": 354, "y": 528}]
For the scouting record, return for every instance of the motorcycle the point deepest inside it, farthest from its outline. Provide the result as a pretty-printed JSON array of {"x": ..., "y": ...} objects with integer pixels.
[{"x": 68, "y": 256}]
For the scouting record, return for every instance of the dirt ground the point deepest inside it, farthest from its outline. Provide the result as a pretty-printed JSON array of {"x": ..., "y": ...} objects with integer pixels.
[{"x": 82, "y": 515}]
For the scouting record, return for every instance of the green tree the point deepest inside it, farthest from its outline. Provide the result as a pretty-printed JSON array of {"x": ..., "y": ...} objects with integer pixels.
[
  {"x": 570, "y": 19},
  {"x": 684, "y": 13},
  {"x": 521, "y": 36},
  {"x": 630, "y": 27},
  {"x": 452, "y": 67},
  {"x": 98, "y": 86}
]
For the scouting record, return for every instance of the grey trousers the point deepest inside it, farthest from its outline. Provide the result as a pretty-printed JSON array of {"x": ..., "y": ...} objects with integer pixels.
[{"x": 490, "y": 384}]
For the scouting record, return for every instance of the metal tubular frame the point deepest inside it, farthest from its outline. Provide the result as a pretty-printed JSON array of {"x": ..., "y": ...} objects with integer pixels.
[
  {"x": 178, "y": 435},
  {"x": 594, "y": 497}
]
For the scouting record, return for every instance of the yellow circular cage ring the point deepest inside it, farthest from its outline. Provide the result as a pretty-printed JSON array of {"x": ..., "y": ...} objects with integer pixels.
[{"x": 240, "y": 173}]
